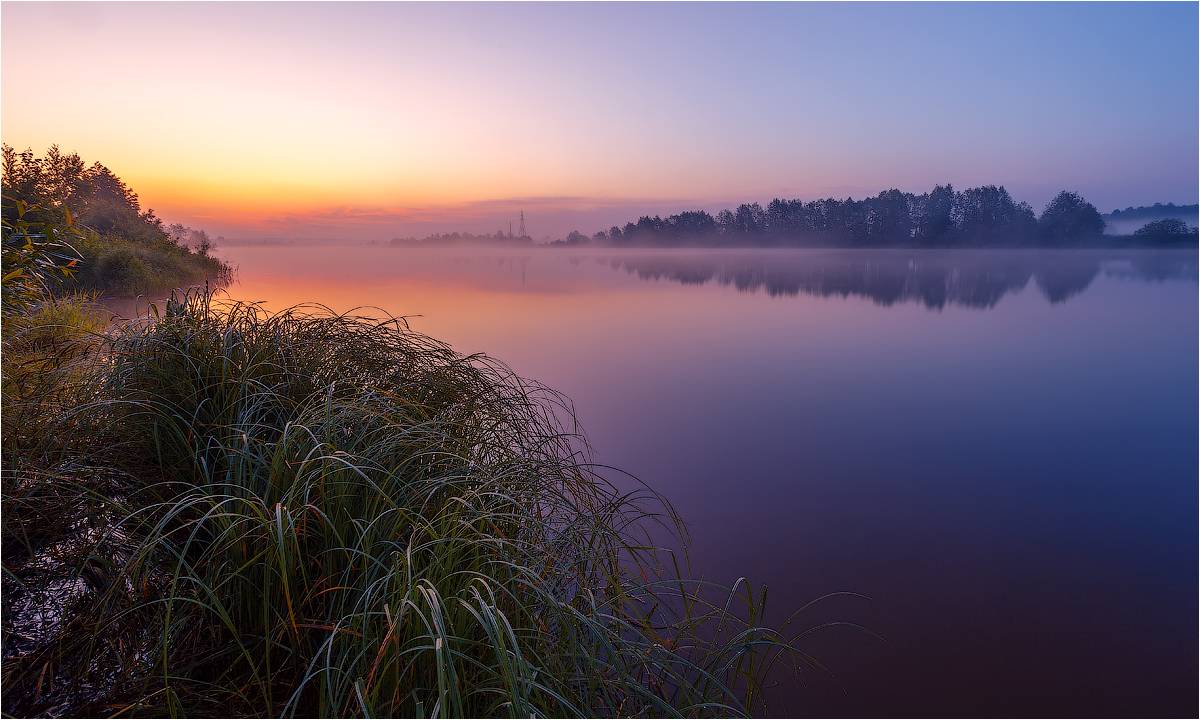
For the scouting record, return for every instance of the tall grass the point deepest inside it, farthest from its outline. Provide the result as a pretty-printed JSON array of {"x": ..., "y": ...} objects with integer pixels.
[{"x": 313, "y": 514}]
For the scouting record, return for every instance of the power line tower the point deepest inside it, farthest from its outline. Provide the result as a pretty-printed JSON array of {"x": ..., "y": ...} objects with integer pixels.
[{"x": 522, "y": 223}]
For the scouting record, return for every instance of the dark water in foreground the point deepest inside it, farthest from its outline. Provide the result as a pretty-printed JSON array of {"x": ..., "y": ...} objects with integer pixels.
[{"x": 998, "y": 448}]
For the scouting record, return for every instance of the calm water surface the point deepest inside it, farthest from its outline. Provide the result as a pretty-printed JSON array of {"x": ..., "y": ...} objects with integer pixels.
[{"x": 999, "y": 449}]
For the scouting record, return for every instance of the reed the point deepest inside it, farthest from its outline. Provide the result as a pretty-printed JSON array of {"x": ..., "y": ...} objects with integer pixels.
[{"x": 318, "y": 514}]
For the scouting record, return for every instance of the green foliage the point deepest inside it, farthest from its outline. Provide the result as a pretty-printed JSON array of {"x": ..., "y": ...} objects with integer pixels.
[
  {"x": 116, "y": 266},
  {"x": 121, "y": 249},
  {"x": 52, "y": 323},
  {"x": 49, "y": 349},
  {"x": 322, "y": 515},
  {"x": 36, "y": 254}
]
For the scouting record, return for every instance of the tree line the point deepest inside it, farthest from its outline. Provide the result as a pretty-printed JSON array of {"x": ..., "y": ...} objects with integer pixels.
[
  {"x": 984, "y": 216},
  {"x": 122, "y": 248},
  {"x": 62, "y": 183},
  {"x": 1154, "y": 212}
]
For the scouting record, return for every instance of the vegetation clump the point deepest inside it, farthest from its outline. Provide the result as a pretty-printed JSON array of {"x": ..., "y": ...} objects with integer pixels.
[
  {"x": 1069, "y": 218},
  {"x": 1167, "y": 231},
  {"x": 985, "y": 216},
  {"x": 316, "y": 514},
  {"x": 122, "y": 250},
  {"x": 1157, "y": 210}
]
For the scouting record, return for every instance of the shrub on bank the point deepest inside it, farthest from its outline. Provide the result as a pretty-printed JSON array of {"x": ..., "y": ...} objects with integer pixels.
[
  {"x": 121, "y": 249},
  {"x": 121, "y": 268},
  {"x": 1168, "y": 231},
  {"x": 323, "y": 515}
]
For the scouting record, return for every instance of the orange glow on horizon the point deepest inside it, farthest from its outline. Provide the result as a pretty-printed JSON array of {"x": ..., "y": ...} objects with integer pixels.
[
  {"x": 281, "y": 121},
  {"x": 407, "y": 118}
]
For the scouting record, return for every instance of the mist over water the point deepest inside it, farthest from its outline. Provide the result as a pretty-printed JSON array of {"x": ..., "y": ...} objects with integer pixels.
[{"x": 997, "y": 448}]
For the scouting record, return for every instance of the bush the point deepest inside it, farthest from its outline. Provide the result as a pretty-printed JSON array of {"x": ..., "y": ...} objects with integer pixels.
[
  {"x": 117, "y": 267},
  {"x": 36, "y": 255},
  {"x": 59, "y": 199},
  {"x": 1170, "y": 230},
  {"x": 321, "y": 515}
]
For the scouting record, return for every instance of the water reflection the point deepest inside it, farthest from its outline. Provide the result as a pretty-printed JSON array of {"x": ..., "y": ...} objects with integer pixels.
[
  {"x": 976, "y": 279},
  {"x": 1014, "y": 489}
]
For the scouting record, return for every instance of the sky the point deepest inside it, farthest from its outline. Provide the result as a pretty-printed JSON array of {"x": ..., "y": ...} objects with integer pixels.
[{"x": 377, "y": 120}]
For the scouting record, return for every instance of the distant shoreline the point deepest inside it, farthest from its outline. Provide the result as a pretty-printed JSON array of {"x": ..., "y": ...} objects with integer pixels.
[{"x": 1106, "y": 242}]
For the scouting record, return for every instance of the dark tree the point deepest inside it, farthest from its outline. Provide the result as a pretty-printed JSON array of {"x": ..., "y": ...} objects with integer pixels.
[
  {"x": 629, "y": 234},
  {"x": 1069, "y": 218},
  {"x": 888, "y": 219},
  {"x": 691, "y": 225},
  {"x": 726, "y": 223},
  {"x": 787, "y": 220},
  {"x": 1165, "y": 227},
  {"x": 934, "y": 225},
  {"x": 988, "y": 215},
  {"x": 985, "y": 216},
  {"x": 1167, "y": 231},
  {"x": 750, "y": 219}
]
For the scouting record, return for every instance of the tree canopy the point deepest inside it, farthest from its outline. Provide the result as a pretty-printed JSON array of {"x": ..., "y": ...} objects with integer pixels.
[
  {"x": 124, "y": 250},
  {"x": 1168, "y": 230},
  {"x": 985, "y": 216},
  {"x": 1069, "y": 217}
]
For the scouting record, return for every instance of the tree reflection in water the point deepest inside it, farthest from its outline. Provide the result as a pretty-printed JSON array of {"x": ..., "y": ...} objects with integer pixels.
[{"x": 977, "y": 279}]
